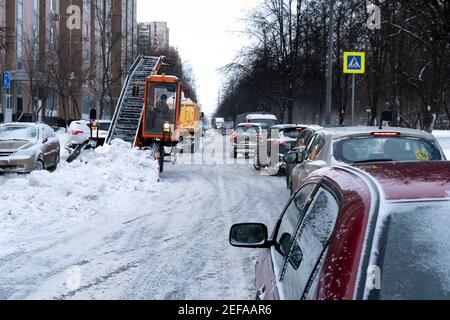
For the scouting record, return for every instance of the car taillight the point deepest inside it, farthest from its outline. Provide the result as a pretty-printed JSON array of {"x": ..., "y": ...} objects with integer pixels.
[
  {"x": 76, "y": 132},
  {"x": 386, "y": 134}
]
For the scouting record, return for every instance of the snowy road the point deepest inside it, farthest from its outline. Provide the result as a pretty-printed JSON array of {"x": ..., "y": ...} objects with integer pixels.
[{"x": 164, "y": 241}]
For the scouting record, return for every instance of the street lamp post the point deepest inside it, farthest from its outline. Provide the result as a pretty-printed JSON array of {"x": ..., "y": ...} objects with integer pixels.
[{"x": 330, "y": 66}]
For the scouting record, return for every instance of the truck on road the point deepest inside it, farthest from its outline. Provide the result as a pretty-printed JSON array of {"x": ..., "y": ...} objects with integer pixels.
[{"x": 190, "y": 122}]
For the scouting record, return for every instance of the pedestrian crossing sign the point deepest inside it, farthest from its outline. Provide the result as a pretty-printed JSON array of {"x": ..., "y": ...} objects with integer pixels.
[{"x": 355, "y": 62}]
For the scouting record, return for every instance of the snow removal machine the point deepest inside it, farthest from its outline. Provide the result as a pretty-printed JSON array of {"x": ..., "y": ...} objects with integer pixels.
[
  {"x": 148, "y": 111},
  {"x": 147, "y": 114}
]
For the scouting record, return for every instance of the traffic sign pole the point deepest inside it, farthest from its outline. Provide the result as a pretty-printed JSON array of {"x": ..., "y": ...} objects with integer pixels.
[
  {"x": 354, "y": 63},
  {"x": 353, "y": 99}
]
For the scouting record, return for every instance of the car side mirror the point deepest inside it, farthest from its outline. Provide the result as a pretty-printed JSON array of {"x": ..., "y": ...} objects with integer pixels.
[
  {"x": 249, "y": 235},
  {"x": 291, "y": 158}
]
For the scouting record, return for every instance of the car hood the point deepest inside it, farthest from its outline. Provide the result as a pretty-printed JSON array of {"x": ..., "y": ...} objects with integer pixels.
[{"x": 15, "y": 145}]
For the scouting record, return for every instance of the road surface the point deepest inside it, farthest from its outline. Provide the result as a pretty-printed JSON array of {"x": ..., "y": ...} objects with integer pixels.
[{"x": 170, "y": 242}]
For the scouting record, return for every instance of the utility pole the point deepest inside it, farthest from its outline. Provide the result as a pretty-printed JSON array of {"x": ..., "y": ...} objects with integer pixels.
[{"x": 330, "y": 66}]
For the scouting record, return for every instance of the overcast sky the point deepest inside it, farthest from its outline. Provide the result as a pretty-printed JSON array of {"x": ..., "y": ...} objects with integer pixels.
[{"x": 206, "y": 33}]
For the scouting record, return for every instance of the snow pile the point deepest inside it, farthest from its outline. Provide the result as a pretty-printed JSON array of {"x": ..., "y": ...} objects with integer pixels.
[
  {"x": 63, "y": 139},
  {"x": 98, "y": 183}
]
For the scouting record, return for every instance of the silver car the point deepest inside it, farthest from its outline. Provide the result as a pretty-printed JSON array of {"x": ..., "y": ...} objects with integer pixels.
[
  {"x": 246, "y": 138},
  {"x": 26, "y": 147},
  {"x": 354, "y": 145}
]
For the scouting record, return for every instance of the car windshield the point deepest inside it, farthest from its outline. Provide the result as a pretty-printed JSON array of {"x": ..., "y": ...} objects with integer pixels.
[
  {"x": 161, "y": 107},
  {"x": 366, "y": 149},
  {"x": 248, "y": 129},
  {"x": 8, "y": 133},
  {"x": 415, "y": 252}
]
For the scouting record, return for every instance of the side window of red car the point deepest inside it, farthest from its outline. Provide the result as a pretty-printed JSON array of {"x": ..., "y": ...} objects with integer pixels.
[
  {"x": 310, "y": 244},
  {"x": 289, "y": 223}
]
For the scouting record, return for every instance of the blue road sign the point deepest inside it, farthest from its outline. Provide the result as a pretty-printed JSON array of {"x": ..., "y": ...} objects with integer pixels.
[
  {"x": 6, "y": 80},
  {"x": 354, "y": 62}
]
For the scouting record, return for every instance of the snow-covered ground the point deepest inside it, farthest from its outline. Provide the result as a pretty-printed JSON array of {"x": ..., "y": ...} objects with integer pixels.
[{"x": 104, "y": 228}]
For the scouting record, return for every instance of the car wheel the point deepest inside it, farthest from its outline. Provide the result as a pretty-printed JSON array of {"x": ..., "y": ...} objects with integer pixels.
[
  {"x": 39, "y": 165},
  {"x": 57, "y": 161},
  {"x": 161, "y": 162},
  {"x": 273, "y": 171},
  {"x": 256, "y": 163}
]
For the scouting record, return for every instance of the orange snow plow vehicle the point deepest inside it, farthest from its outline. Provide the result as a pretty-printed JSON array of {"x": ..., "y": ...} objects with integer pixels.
[{"x": 160, "y": 121}]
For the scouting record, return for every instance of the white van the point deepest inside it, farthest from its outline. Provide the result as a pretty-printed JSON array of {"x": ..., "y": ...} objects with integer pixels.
[{"x": 268, "y": 119}]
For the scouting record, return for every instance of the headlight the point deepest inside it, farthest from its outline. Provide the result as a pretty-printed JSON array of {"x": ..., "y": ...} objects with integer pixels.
[{"x": 167, "y": 127}]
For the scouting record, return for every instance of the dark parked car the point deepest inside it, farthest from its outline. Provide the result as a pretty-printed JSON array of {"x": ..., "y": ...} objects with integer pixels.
[
  {"x": 373, "y": 231},
  {"x": 299, "y": 148},
  {"x": 281, "y": 139}
]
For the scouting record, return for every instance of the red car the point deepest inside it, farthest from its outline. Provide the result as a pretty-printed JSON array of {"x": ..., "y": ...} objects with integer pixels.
[{"x": 373, "y": 231}]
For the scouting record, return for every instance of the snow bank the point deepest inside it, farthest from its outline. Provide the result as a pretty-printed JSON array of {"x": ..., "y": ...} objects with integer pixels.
[
  {"x": 98, "y": 183},
  {"x": 63, "y": 139}
]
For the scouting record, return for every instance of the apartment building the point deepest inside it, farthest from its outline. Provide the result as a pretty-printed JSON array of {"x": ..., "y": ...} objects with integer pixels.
[
  {"x": 153, "y": 37},
  {"x": 159, "y": 35},
  {"x": 68, "y": 37},
  {"x": 144, "y": 32}
]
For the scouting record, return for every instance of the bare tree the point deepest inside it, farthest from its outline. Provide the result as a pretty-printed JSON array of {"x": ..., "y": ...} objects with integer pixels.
[
  {"x": 408, "y": 64},
  {"x": 108, "y": 58},
  {"x": 67, "y": 77}
]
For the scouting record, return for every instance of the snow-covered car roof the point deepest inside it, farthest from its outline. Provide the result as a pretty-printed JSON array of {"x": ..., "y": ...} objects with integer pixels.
[
  {"x": 340, "y": 132},
  {"x": 261, "y": 116},
  {"x": 21, "y": 124}
]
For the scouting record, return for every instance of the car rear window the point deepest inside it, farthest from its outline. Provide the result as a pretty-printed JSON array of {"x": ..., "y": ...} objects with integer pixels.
[
  {"x": 366, "y": 149},
  {"x": 293, "y": 133},
  {"x": 268, "y": 122},
  {"x": 248, "y": 128},
  {"x": 414, "y": 252}
]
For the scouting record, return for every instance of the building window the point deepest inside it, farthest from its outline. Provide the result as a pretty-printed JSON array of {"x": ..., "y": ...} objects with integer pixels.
[
  {"x": 19, "y": 35},
  {"x": 53, "y": 6}
]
